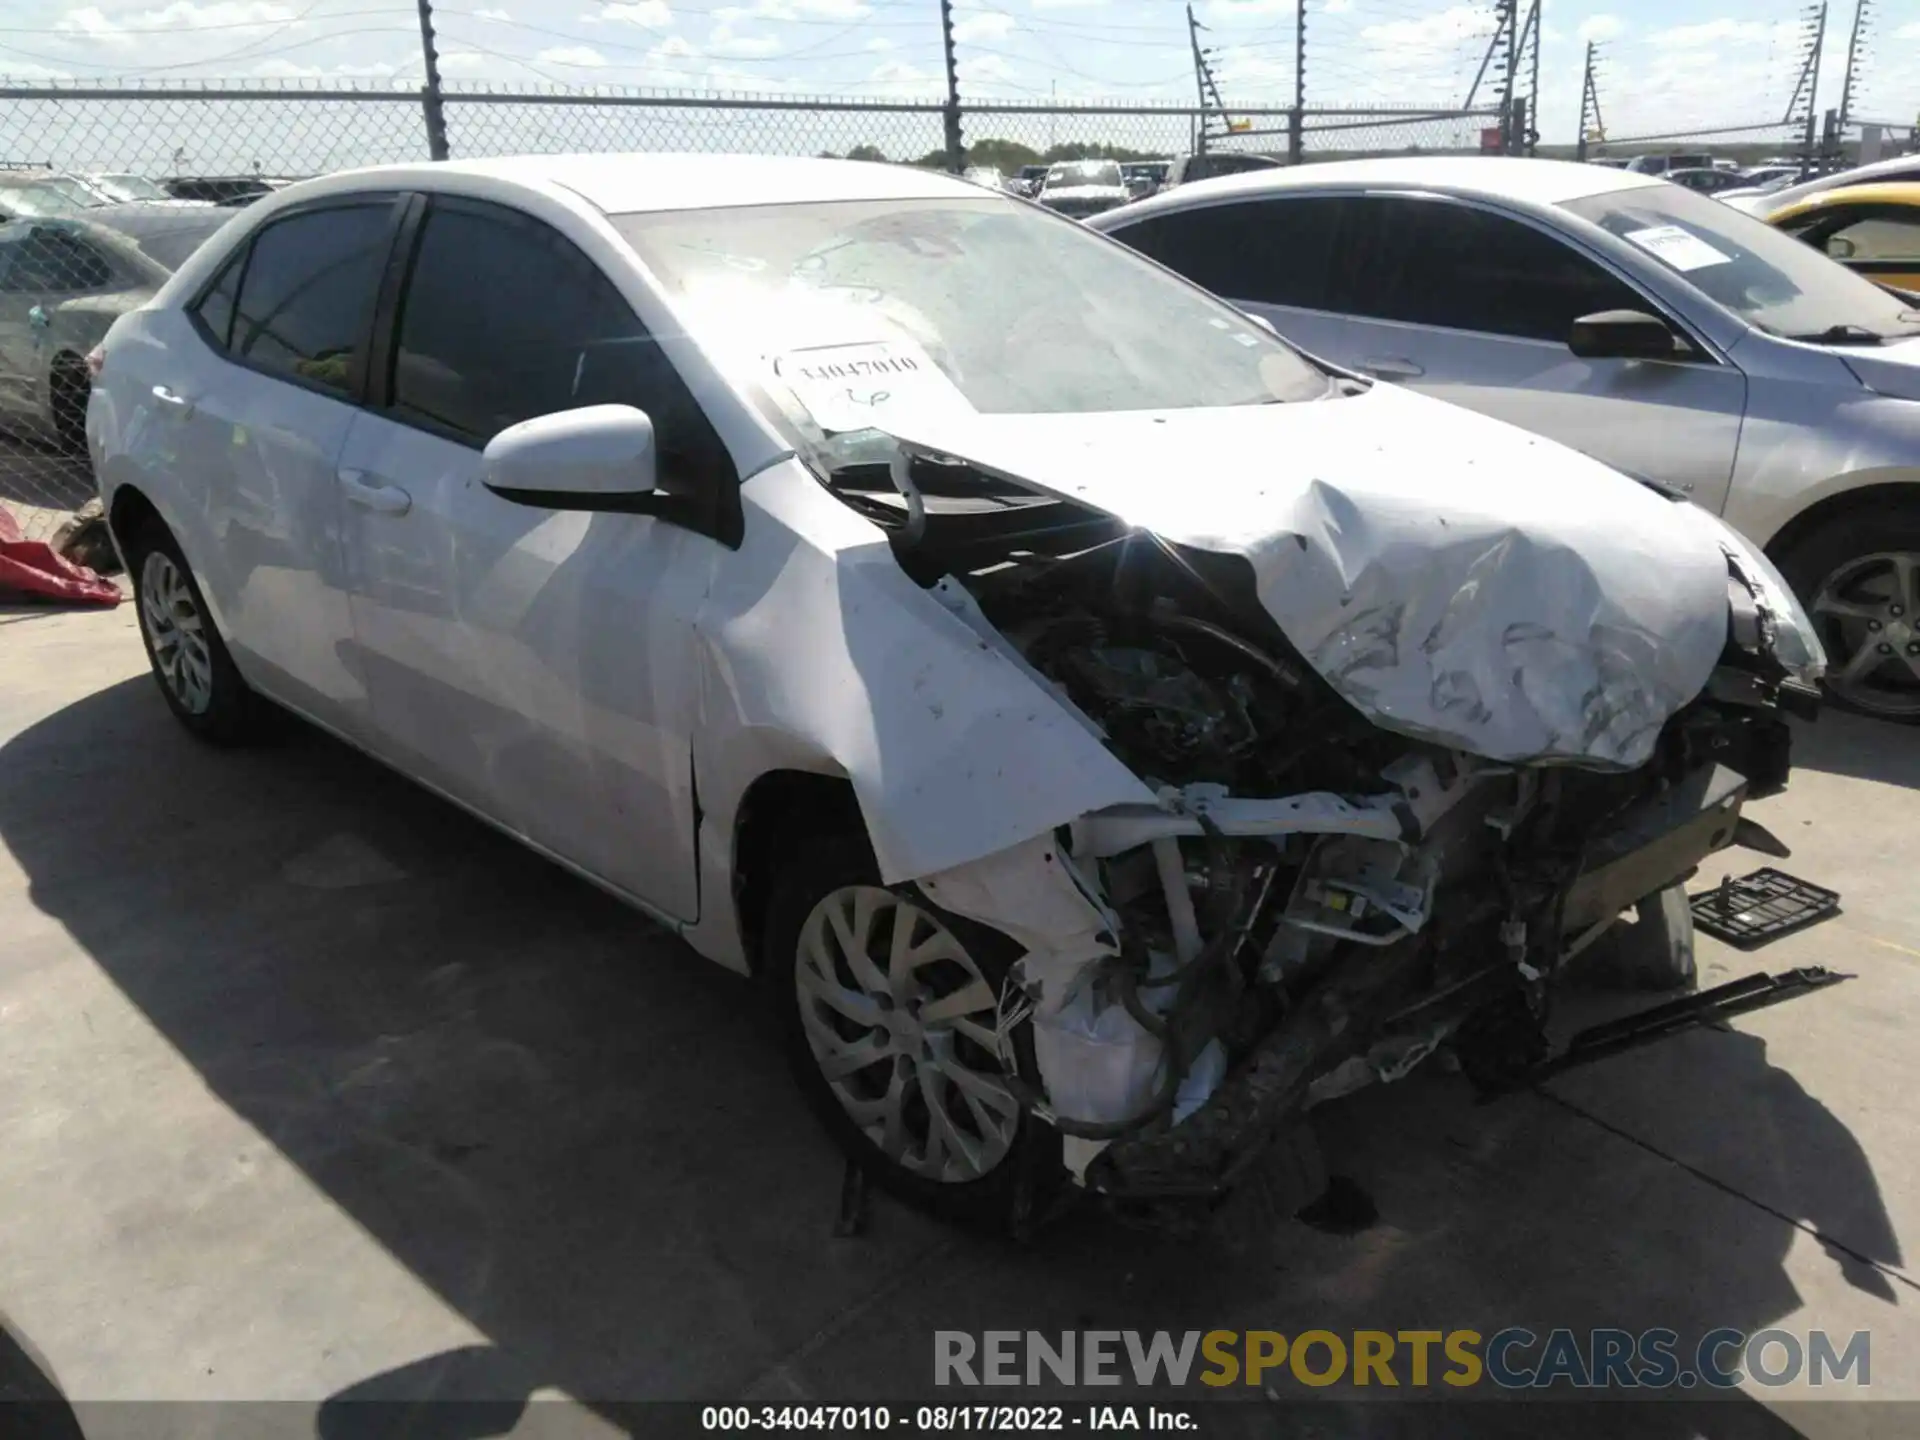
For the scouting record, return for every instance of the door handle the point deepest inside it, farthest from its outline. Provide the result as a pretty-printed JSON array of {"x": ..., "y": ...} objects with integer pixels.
[
  {"x": 173, "y": 401},
  {"x": 1392, "y": 367},
  {"x": 381, "y": 499}
]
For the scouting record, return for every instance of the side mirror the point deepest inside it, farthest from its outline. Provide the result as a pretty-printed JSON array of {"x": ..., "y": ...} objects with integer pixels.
[
  {"x": 1623, "y": 335},
  {"x": 1841, "y": 248},
  {"x": 600, "y": 457}
]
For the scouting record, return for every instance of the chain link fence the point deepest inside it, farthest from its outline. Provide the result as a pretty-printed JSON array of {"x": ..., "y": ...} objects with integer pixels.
[{"x": 106, "y": 189}]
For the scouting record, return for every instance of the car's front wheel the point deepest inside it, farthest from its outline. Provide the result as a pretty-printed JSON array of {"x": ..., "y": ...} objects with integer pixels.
[
  {"x": 1859, "y": 578},
  {"x": 888, "y": 1007},
  {"x": 190, "y": 662}
]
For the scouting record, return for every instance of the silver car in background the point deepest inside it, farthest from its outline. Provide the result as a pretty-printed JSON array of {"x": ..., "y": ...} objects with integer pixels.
[
  {"x": 63, "y": 282},
  {"x": 1080, "y": 188},
  {"x": 1656, "y": 329}
]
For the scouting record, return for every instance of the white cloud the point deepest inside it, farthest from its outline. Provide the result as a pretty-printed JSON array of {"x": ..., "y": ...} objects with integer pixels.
[
  {"x": 647, "y": 14},
  {"x": 1726, "y": 32},
  {"x": 1067, "y": 4},
  {"x": 491, "y": 14},
  {"x": 1600, "y": 27},
  {"x": 723, "y": 39},
  {"x": 579, "y": 56},
  {"x": 810, "y": 9},
  {"x": 94, "y": 25},
  {"x": 1337, "y": 7},
  {"x": 1431, "y": 32},
  {"x": 1908, "y": 32},
  {"x": 1228, "y": 11},
  {"x": 982, "y": 25},
  {"x": 189, "y": 16},
  {"x": 900, "y": 78},
  {"x": 879, "y": 42}
]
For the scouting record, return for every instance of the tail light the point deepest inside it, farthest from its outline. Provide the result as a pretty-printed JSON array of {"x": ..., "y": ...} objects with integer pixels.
[{"x": 96, "y": 360}]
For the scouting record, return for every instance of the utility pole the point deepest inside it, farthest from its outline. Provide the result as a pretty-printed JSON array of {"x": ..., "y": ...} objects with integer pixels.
[
  {"x": 1203, "y": 83},
  {"x": 1860, "y": 10},
  {"x": 1589, "y": 105},
  {"x": 1803, "y": 104},
  {"x": 1297, "y": 117},
  {"x": 1531, "y": 133},
  {"x": 956, "y": 152},
  {"x": 431, "y": 108},
  {"x": 1503, "y": 46}
]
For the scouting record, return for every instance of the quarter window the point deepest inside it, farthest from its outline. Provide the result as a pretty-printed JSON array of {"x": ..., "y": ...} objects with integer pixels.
[
  {"x": 1436, "y": 262},
  {"x": 505, "y": 319},
  {"x": 215, "y": 309},
  {"x": 306, "y": 297}
]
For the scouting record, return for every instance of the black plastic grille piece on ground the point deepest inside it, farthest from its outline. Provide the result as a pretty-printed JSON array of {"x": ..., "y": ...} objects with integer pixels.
[{"x": 1756, "y": 908}]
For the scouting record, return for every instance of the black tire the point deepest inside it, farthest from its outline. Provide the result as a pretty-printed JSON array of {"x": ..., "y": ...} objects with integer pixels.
[
  {"x": 1026, "y": 1181},
  {"x": 231, "y": 713},
  {"x": 1652, "y": 951},
  {"x": 1823, "y": 554},
  {"x": 68, "y": 388}
]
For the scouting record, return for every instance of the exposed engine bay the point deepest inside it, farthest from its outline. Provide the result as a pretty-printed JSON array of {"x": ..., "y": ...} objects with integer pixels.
[{"x": 1315, "y": 903}]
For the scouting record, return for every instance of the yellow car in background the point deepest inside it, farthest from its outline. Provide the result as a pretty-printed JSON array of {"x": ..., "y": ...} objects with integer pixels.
[{"x": 1872, "y": 229}]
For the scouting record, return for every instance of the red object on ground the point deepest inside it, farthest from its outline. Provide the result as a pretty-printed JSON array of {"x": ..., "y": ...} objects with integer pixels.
[{"x": 34, "y": 570}]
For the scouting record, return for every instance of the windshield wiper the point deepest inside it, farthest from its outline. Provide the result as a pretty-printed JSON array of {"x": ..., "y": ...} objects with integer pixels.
[{"x": 1842, "y": 335}]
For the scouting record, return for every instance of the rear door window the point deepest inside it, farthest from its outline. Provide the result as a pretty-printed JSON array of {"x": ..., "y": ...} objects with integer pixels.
[
  {"x": 1271, "y": 252},
  {"x": 51, "y": 261},
  {"x": 306, "y": 297},
  {"x": 1440, "y": 263}
]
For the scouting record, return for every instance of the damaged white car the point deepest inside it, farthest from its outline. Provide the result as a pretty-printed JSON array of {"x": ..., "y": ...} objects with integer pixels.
[{"x": 1104, "y": 730}]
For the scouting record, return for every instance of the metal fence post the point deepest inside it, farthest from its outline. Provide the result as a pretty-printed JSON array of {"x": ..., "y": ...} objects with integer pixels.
[
  {"x": 956, "y": 151},
  {"x": 1296, "y": 135},
  {"x": 430, "y": 99}
]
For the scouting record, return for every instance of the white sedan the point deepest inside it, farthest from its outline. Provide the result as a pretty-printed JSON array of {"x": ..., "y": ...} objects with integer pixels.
[
  {"x": 1651, "y": 327},
  {"x": 1105, "y": 731}
]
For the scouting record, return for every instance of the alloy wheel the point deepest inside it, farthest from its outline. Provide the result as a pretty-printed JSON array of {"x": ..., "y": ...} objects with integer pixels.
[
  {"x": 900, "y": 1021},
  {"x": 1868, "y": 611},
  {"x": 176, "y": 630}
]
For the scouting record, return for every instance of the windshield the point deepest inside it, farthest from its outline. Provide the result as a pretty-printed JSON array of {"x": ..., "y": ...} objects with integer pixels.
[
  {"x": 848, "y": 312},
  {"x": 1085, "y": 172},
  {"x": 130, "y": 187},
  {"x": 1766, "y": 277},
  {"x": 39, "y": 198}
]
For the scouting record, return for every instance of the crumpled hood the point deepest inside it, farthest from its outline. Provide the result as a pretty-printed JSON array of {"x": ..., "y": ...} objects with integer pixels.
[{"x": 1455, "y": 578}]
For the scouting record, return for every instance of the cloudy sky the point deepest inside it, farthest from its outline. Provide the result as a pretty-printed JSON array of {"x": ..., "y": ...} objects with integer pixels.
[{"x": 1668, "y": 64}]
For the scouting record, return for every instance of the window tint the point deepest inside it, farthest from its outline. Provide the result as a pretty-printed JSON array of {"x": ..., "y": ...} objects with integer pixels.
[
  {"x": 307, "y": 294},
  {"x": 1435, "y": 262},
  {"x": 1276, "y": 252},
  {"x": 216, "y": 306},
  {"x": 504, "y": 319},
  {"x": 50, "y": 261}
]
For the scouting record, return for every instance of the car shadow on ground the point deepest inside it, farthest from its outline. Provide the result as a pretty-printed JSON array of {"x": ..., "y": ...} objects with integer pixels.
[
  {"x": 1840, "y": 743},
  {"x": 582, "y": 1138}
]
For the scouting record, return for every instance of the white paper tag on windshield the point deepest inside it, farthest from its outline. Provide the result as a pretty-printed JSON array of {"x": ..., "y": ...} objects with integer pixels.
[
  {"x": 1681, "y": 249},
  {"x": 862, "y": 387}
]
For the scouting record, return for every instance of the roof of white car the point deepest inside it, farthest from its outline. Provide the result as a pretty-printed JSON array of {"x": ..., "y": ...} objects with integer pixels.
[
  {"x": 622, "y": 184},
  {"x": 1538, "y": 182}
]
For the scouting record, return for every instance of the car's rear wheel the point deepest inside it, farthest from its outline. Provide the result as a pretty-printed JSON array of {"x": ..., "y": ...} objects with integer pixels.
[
  {"x": 190, "y": 662},
  {"x": 888, "y": 1008},
  {"x": 1859, "y": 578},
  {"x": 1652, "y": 951}
]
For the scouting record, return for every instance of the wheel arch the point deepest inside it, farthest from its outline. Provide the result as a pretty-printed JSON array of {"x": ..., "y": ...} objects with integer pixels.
[
  {"x": 779, "y": 810},
  {"x": 1841, "y": 504}
]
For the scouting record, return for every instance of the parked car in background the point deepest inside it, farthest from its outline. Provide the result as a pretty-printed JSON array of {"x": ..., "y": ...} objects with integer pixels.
[
  {"x": 1186, "y": 169},
  {"x": 985, "y": 176},
  {"x": 1612, "y": 162},
  {"x": 1655, "y": 329},
  {"x": 1144, "y": 177},
  {"x": 1764, "y": 204},
  {"x": 1706, "y": 182},
  {"x": 1080, "y": 188},
  {"x": 1873, "y": 230},
  {"x": 45, "y": 192},
  {"x": 1763, "y": 178},
  {"x": 1661, "y": 164},
  {"x": 121, "y": 188},
  {"x": 63, "y": 282},
  {"x": 230, "y": 190},
  {"x": 1027, "y": 180},
  {"x": 818, "y": 556}
]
